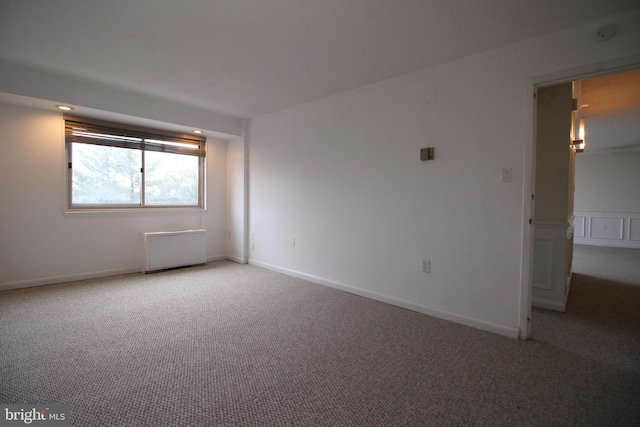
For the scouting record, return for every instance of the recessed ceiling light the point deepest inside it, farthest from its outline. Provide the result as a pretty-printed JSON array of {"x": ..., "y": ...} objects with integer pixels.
[
  {"x": 197, "y": 131},
  {"x": 64, "y": 107}
]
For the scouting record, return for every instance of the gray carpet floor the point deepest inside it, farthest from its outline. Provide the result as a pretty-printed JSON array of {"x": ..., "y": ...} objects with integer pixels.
[{"x": 235, "y": 345}]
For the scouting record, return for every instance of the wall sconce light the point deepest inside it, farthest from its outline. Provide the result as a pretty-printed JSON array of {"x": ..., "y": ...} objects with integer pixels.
[
  {"x": 579, "y": 144},
  {"x": 427, "y": 153}
]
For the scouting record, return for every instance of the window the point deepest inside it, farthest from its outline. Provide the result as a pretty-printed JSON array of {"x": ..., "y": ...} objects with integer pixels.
[{"x": 120, "y": 166}]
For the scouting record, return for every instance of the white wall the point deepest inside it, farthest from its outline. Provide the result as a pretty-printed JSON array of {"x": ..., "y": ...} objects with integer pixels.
[
  {"x": 41, "y": 243},
  {"x": 342, "y": 177},
  {"x": 236, "y": 200},
  {"x": 608, "y": 182},
  {"x": 608, "y": 199}
]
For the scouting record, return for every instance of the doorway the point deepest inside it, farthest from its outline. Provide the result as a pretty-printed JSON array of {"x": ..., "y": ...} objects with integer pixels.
[{"x": 607, "y": 202}]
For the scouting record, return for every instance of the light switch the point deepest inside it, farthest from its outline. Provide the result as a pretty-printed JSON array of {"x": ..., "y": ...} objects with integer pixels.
[{"x": 505, "y": 175}]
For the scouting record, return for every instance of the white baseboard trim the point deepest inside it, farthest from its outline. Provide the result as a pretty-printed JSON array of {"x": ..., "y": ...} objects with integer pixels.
[
  {"x": 237, "y": 259},
  {"x": 81, "y": 276},
  {"x": 607, "y": 244},
  {"x": 67, "y": 278},
  {"x": 511, "y": 332},
  {"x": 549, "y": 305},
  {"x": 216, "y": 258}
]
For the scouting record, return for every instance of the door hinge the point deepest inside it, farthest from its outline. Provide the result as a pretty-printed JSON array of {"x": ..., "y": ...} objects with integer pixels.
[
  {"x": 529, "y": 220},
  {"x": 533, "y": 197},
  {"x": 69, "y": 165},
  {"x": 575, "y": 103}
]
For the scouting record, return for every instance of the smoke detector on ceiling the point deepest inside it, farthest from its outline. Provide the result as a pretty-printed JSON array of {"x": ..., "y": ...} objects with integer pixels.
[{"x": 606, "y": 32}]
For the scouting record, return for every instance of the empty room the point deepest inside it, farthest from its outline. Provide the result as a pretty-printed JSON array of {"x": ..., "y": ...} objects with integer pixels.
[{"x": 317, "y": 213}]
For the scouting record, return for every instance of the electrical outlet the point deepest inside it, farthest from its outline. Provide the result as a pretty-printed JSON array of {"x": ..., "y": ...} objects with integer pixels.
[
  {"x": 426, "y": 266},
  {"x": 505, "y": 175}
]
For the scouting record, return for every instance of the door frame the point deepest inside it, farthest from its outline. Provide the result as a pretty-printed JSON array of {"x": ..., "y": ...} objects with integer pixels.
[{"x": 529, "y": 162}]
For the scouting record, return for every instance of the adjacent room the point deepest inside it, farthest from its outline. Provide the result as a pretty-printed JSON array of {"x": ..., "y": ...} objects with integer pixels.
[{"x": 319, "y": 212}]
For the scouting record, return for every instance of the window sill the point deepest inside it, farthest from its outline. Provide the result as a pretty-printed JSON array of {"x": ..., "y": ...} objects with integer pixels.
[{"x": 137, "y": 209}]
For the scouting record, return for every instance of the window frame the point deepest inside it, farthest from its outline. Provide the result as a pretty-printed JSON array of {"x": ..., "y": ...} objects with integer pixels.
[{"x": 156, "y": 137}]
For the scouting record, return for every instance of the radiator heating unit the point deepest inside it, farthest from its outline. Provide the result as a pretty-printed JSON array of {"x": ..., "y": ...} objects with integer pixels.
[{"x": 175, "y": 248}]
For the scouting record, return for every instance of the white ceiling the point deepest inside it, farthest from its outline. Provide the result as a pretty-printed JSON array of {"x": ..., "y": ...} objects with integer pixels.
[
  {"x": 249, "y": 57},
  {"x": 611, "y": 109}
]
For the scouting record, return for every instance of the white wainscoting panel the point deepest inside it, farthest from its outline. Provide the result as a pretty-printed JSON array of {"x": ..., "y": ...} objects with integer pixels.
[
  {"x": 578, "y": 226},
  {"x": 552, "y": 257},
  {"x": 543, "y": 265},
  {"x": 612, "y": 228},
  {"x": 634, "y": 229},
  {"x": 606, "y": 228}
]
